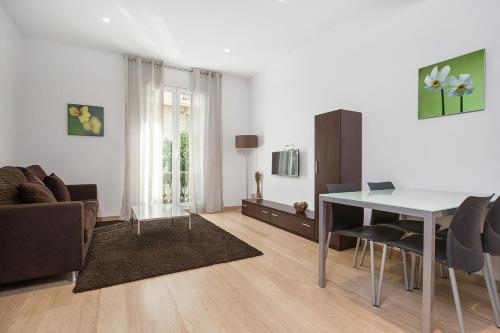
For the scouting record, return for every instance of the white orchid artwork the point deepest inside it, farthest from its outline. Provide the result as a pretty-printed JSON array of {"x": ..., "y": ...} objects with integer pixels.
[
  {"x": 453, "y": 86},
  {"x": 460, "y": 87},
  {"x": 437, "y": 81}
]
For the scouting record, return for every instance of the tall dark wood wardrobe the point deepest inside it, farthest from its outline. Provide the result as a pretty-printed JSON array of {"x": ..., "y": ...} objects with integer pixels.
[{"x": 337, "y": 142}]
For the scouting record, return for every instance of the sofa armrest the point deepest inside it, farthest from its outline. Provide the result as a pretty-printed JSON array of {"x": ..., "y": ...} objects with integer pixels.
[
  {"x": 82, "y": 192},
  {"x": 40, "y": 240}
]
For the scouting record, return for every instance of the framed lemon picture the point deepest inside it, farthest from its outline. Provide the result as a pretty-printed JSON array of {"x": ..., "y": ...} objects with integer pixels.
[
  {"x": 86, "y": 120},
  {"x": 454, "y": 86}
]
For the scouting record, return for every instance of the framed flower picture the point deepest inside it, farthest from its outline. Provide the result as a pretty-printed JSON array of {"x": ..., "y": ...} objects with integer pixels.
[
  {"x": 453, "y": 86},
  {"x": 85, "y": 120}
]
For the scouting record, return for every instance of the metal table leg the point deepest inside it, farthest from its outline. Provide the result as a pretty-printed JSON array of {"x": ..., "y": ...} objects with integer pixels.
[
  {"x": 132, "y": 219},
  {"x": 322, "y": 239},
  {"x": 428, "y": 272}
]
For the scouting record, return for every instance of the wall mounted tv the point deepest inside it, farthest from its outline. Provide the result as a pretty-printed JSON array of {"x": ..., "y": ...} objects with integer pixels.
[{"x": 286, "y": 163}]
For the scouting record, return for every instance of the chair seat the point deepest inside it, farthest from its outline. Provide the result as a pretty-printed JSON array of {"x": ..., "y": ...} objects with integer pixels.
[
  {"x": 413, "y": 226},
  {"x": 373, "y": 233},
  {"x": 415, "y": 244}
]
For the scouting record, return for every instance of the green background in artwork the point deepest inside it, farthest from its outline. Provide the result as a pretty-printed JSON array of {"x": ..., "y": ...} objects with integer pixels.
[
  {"x": 75, "y": 126},
  {"x": 429, "y": 103}
]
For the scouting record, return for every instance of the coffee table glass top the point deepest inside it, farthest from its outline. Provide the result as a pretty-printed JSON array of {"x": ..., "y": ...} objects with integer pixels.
[{"x": 159, "y": 212}]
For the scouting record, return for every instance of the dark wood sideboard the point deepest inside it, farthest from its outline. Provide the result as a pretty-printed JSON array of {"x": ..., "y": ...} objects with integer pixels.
[{"x": 281, "y": 216}]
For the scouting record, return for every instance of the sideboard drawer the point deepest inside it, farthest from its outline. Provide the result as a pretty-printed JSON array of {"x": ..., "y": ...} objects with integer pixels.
[
  {"x": 301, "y": 226},
  {"x": 258, "y": 212}
]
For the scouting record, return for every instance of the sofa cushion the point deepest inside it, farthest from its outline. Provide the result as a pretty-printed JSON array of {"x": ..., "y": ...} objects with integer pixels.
[
  {"x": 57, "y": 186},
  {"x": 35, "y": 170},
  {"x": 35, "y": 191},
  {"x": 10, "y": 179}
]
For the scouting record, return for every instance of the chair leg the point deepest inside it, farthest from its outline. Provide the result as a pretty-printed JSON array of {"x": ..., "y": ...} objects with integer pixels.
[
  {"x": 372, "y": 273},
  {"x": 355, "y": 259},
  {"x": 412, "y": 273},
  {"x": 491, "y": 284},
  {"x": 390, "y": 252},
  {"x": 456, "y": 298},
  {"x": 327, "y": 245},
  {"x": 363, "y": 253},
  {"x": 381, "y": 278},
  {"x": 405, "y": 270},
  {"x": 420, "y": 272}
]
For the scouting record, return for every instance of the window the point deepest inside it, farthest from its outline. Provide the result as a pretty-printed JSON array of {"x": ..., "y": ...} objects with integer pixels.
[{"x": 176, "y": 124}]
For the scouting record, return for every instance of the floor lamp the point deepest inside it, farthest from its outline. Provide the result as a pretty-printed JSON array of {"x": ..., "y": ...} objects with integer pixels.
[{"x": 246, "y": 141}]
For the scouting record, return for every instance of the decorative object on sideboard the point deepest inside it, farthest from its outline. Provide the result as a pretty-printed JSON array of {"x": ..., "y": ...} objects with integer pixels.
[
  {"x": 300, "y": 206},
  {"x": 258, "y": 180},
  {"x": 453, "y": 86},
  {"x": 86, "y": 120},
  {"x": 246, "y": 142}
]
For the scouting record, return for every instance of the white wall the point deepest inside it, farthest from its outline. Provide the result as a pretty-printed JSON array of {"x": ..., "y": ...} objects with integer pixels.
[
  {"x": 55, "y": 75},
  {"x": 11, "y": 69},
  {"x": 369, "y": 63},
  {"x": 235, "y": 121}
]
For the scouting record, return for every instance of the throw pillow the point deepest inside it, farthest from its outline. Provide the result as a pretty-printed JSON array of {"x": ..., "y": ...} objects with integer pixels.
[
  {"x": 58, "y": 188},
  {"x": 35, "y": 191}
]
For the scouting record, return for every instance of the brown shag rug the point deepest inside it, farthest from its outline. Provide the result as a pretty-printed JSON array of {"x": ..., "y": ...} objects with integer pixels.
[{"x": 118, "y": 255}]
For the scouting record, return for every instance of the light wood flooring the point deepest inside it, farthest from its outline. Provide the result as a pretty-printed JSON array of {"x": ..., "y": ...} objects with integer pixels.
[{"x": 276, "y": 292}]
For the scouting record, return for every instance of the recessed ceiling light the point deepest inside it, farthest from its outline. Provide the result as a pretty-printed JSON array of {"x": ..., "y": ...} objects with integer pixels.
[
  {"x": 281, "y": 0},
  {"x": 227, "y": 50},
  {"x": 106, "y": 19}
]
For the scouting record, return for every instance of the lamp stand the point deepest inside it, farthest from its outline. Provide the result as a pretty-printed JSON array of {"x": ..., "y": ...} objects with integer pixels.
[{"x": 246, "y": 171}]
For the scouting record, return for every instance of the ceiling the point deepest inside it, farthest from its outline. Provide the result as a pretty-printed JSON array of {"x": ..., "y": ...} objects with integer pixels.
[{"x": 192, "y": 33}]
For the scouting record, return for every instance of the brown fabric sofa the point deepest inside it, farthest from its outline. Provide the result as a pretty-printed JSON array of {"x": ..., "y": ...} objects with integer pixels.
[{"x": 44, "y": 239}]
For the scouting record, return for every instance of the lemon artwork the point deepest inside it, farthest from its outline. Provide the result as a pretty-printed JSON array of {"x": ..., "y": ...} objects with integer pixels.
[{"x": 85, "y": 120}]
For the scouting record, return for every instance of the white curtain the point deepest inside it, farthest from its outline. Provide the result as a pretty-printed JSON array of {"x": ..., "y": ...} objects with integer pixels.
[
  {"x": 144, "y": 142},
  {"x": 205, "y": 177}
]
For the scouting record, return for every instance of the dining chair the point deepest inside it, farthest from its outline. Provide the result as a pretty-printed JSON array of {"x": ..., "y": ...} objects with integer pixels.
[
  {"x": 462, "y": 249},
  {"x": 491, "y": 247},
  {"x": 393, "y": 219},
  {"x": 389, "y": 219},
  {"x": 348, "y": 221}
]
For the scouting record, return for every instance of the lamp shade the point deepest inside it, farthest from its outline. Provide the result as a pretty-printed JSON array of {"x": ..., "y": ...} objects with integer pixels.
[{"x": 246, "y": 141}]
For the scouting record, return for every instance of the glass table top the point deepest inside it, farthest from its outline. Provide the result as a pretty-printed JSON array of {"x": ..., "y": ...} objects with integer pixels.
[
  {"x": 423, "y": 200},
  {"x": 159, "y": 211}
]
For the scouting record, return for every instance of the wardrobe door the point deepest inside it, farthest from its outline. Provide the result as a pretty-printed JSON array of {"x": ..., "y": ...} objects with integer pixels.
[
  {"x": 327, "y": 156},
  {"x": 337, "y": 136}
]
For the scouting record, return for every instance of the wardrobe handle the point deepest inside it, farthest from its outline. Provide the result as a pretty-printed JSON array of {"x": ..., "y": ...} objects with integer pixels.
[
  {"x": 316, "y": 167},
  {"x": 306, "y": 225}
]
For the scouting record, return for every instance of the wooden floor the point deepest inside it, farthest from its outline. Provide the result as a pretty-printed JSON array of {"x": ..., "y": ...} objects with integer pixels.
[{"x": 276, "y": 292}]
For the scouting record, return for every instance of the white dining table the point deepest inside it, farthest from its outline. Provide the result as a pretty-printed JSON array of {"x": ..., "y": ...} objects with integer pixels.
[{"x": 426, "y": 204}]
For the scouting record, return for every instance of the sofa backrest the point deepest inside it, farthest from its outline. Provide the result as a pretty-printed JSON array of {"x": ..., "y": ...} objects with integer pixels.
[{"x": 10, "y": 179}]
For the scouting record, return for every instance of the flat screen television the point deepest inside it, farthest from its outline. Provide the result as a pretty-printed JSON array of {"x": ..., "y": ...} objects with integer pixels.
[{"x": 286, "y": 163}]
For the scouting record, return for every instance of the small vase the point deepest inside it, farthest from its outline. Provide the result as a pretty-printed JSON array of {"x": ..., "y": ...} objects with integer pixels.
[{"x": 258, "y": 180}]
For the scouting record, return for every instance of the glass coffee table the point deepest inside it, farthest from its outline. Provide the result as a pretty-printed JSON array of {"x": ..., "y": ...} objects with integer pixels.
[{"x": 144, "y": 213}]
